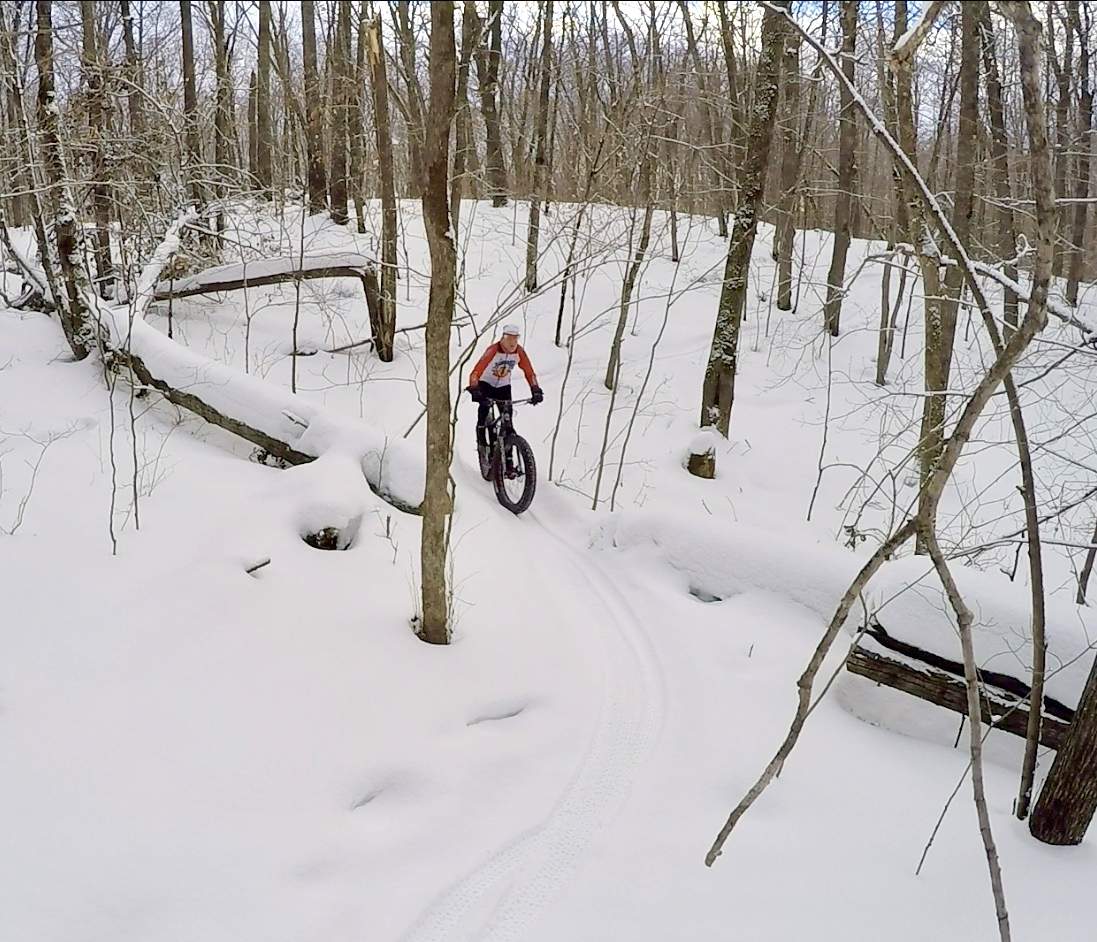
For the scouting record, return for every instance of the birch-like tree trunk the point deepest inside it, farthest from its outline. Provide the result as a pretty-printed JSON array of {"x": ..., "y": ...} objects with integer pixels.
[{"x": 438, "y": 499}]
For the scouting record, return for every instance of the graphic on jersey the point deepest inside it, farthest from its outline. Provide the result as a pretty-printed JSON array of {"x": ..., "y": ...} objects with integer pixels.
[{"x": 501, "y": 369}]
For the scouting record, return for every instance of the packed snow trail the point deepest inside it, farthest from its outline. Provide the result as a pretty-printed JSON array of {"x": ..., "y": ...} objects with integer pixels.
[{"x": 502, "y": 898}]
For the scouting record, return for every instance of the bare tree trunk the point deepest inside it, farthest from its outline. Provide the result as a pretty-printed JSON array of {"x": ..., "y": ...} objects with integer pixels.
[
  {"x": 847, "y": 176},
  {"x": 738, "y": 106},
  {"x": 17, "y": 160},
  {"x": 414, "y": 105},
  {"x": 718, "y": 393},
  {"x": 253, "y": 129},
  {"x": 1007, "y": 356},
  {"x": 533, "y": 231},
  {"x": 190, "y": 106},
  {"x": 76, "y": 322},
  {"x": 1068, "y": 799},
  {"x": 1087, "y": 569},
  {"x": 901, "y": 223},
  {"x": 379, "y": 84},
  {"x": 708, "y": 121},
  {"x": 438, "y": 499},
  {"x": 339, "y": 123},
  {"x": 222, "y": 121},
  {"x": 100, "y": 191},
  {"x": 487, "y": 71},
  {"x": 1085, "y": 155},
  {"x": 263, "y": 132},
  {"x": 999, "y": 150},
  {"x": 790, "y": 171},
  {"x": 613, "y": 367},
  {"x": 133, "y": 73},
  {"x": 317, "y": 173},
  {"x": 1063, "y": 71},
  {"x": 356, "y": 106},
  {"x": 466, "y": 142},
  {"x": 941, "y": 317}
]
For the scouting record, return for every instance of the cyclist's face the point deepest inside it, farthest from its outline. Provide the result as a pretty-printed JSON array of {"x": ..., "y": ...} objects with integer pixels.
[{"x": 509, "y": 343}]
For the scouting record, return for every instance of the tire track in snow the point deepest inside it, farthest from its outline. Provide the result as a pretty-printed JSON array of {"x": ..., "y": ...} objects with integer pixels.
[{"x": 527, "y": 872}]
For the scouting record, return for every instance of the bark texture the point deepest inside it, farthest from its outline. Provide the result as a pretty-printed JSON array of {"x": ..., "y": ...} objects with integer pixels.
[
  {"x": 438, "y": 499},
  {"x": 718, "y": 392},
  {"x": 382, "y": 124}
]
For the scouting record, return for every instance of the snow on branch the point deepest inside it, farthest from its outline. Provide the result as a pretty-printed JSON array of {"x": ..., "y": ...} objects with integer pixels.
[{"x": 907, "y": 44}]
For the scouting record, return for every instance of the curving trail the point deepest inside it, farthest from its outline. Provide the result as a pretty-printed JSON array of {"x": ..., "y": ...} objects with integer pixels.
[{"x": 503, "y": 897}]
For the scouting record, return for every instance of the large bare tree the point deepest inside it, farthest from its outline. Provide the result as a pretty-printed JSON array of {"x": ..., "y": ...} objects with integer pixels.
[
  {"x": 317, "y": 173},
  {"x": 438, "y": 498},
  {"x": 540, "y": 151},
  {"x": 847, "y": 174},
  {"x": 718, "y": 392},
  {"x": 381, "y": 121}
]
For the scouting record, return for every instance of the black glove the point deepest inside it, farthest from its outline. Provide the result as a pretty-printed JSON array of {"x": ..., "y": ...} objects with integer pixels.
[
  {"x": 474, "y": 391},
  {"x": 536, "y": 395}
]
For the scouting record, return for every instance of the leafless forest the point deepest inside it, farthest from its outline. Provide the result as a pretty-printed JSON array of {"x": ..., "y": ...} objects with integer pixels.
[{"x": 140, "y": 137}]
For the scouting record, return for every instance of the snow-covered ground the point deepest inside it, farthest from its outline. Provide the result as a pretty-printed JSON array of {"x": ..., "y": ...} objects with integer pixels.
[{"x": 193, "y": 753}]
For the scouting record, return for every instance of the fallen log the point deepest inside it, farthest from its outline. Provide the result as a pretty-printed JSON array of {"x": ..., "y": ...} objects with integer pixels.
[
  {"x": 284, "y": 270},
  {"x": 1001, "y": 709},
  {"x": 282, "y": 424}
]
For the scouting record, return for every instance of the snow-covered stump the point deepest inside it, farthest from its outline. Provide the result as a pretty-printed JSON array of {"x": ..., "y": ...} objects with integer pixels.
[{"x": 702, "y": 453}]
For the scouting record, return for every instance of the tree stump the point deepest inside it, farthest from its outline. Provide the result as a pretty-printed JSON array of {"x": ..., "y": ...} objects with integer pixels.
[{"x": 702, "y": 464}]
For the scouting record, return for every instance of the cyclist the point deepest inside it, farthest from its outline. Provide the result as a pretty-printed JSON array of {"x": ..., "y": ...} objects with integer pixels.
[{"x": 490, "y": 378}]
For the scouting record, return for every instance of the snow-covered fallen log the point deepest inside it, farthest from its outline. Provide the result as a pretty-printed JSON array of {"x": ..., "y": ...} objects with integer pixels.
[
  {"x": 283, "y": 424},
  {"x": 283, "y": 270},
  {"x": 717, "y": 559},
  {"x": 923, "y": 675},
  {"x": 268, "y": 271}
]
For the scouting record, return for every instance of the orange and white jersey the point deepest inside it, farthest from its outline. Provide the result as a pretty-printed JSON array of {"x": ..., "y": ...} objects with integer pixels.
[{"x": 496, "y": 365}]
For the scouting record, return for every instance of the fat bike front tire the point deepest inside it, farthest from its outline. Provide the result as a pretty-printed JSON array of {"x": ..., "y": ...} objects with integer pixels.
[{"x": 516, "y": 492}]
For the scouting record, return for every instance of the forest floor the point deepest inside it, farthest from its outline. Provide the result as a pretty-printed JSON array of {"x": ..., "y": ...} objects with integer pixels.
[{"x": 194, "y": 753}]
